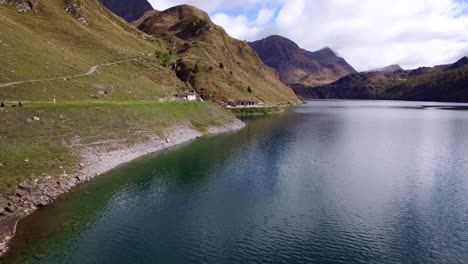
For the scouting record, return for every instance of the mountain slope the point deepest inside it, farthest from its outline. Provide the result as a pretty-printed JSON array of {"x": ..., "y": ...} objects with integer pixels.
[
  {"x": 444, "y": 83},
  {"x": 296, "y": 65},
  {"x": 129, "y": 10},
  {"x": 216, "y": 65},
  {"x": 65, "y": 38}
]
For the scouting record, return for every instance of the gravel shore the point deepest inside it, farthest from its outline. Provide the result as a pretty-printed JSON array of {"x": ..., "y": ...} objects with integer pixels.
[{"x": 96, "y": 160}]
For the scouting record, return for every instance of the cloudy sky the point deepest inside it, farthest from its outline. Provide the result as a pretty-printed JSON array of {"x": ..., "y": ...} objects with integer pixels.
[{"x": 367, "y": 33}]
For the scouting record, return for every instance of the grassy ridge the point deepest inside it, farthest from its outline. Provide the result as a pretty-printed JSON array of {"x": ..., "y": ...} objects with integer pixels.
[{"x": 29, "y": 150}]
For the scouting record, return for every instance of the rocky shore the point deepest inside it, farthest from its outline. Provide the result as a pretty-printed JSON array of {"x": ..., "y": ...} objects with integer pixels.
[{"x": 96, "y": 159}]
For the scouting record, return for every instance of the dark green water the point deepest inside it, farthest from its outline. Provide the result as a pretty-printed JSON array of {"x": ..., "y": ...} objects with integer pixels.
[{"x": 328, "y": 182}]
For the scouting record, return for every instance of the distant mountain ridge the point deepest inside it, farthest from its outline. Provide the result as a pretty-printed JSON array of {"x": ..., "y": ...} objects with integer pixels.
[
  {"x": 442, "y": 83},
  {"x": 388, "y": 69},
  {"x": 297, "y": 65},
  {"x": 129, "y": 10}
]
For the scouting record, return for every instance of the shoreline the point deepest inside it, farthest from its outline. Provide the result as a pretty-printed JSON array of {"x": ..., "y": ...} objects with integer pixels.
[{"x": 96, "y": 160}]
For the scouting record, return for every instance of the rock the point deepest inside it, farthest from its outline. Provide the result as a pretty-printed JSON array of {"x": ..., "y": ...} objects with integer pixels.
[
  {"x": 81, "y": 178},
  {"x": 25, "y": 186},
  {"x": 2, "y": 211},
  {"x": 35, "y": 118},
  {"x": 40, "y": 203},
  {"x": 168, "y": 140},
  {"x": 35, "y": 192},
  {"x": 29, "y": 120},
  {"x": 82, "y": 165},
  {"x": 2, "y": 247},
  {"x": 26, "y": 160},
  {"x": 21, "y": 192},
  {"x": 10, "y": 208}
]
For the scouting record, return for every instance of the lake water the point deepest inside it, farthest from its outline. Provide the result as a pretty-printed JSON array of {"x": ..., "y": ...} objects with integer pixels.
[{"x": 327, "y": 182}]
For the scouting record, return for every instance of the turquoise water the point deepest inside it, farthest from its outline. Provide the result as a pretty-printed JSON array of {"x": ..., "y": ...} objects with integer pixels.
[{"x": 327, "y": 182}]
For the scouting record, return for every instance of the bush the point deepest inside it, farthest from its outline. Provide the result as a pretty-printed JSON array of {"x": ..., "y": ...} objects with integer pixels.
[
  {"x": 164, "y": 57},
  {"x": 196, "y": 69}
]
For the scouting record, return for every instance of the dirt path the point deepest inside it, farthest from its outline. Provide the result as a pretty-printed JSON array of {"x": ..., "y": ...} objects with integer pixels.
[{"x": 91, "y": 71}]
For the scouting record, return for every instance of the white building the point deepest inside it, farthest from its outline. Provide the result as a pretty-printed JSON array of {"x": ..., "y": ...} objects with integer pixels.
[{"x": 187, "y": 96}]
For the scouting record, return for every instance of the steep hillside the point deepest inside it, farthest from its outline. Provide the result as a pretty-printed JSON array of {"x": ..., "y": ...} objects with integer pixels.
[
  {"x": 67, "y": 38},
  {"x": 296, "y": 65},
  {"x": 129, "y": 10},
  {"x": 444, "y": 83},
  {"x": 216, "y": 65}
]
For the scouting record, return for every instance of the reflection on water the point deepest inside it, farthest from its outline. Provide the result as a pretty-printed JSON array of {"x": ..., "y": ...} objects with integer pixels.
[{"x": 328, "y": 182}]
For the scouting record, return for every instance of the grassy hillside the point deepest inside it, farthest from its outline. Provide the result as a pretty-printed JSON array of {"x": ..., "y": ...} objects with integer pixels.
[
  {"x": 216, "y": 65},
  {"x": 111, "y": 82},
  {"x": 30, "y": 149}
]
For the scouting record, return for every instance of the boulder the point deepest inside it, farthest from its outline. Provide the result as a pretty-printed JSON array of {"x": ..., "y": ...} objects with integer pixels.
[
  {"x": 10, "y": 208},
  {"x": 35, "y": 192},
  {"x": 25, "y": 186},
  {"x": 40, "y": 203},
  {"x": 21, "y": 192}
]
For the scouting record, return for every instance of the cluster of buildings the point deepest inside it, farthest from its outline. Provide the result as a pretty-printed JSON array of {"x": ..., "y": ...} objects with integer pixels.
[
  {"x": 193, "y": 96},
  {"x": 243, "y": 103}
]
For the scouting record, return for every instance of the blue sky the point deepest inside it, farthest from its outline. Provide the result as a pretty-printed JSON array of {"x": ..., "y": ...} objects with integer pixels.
[{"x": 367, "y": 33}]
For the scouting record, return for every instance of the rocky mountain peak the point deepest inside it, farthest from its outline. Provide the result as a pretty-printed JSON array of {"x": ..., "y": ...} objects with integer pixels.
[
  {"x": 129, "y": 10},
  {"x": 297, "y": 65}
]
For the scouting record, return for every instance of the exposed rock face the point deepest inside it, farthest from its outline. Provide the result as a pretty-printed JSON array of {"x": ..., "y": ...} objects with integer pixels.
[
  {"x": 23, "y": 6},
  {"x": 296, "y": 65},
  {"x": 444, "y": 83},
  {"x": 76, "y": 9},
  {"x": 129, "y": 10}
]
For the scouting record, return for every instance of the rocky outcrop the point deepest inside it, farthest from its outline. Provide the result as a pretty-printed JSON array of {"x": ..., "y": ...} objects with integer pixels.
[
  {"x": 76, "y": 9},
  {"x": 23, "y": 6}
]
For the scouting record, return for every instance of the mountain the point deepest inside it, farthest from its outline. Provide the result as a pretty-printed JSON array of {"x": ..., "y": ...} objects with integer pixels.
[
  {"x": 296, "y": 65},
  {"x": 129, "y": 10},
  {"x": 388, "y": 69},
  {"x": 443, "y": 83},
  {"x": 211, "y": 62},
  {"x": 87, "y": 79}
]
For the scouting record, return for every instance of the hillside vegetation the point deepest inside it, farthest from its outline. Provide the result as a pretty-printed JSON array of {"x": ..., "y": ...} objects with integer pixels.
[{"x": 83, "y": 72}]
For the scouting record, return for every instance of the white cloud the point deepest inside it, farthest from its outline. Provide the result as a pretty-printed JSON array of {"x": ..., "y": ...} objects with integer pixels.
[
  {"x": 264, "y": 16},
  {"x": 368, "y": 33},
  {"x": 238, "y": 26},
  {"x": 377, "y": 33}
]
